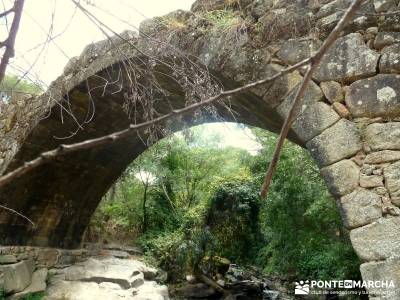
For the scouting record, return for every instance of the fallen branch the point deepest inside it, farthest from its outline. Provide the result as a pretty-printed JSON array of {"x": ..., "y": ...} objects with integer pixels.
[
  {"x": 110, "y": 138},
  {"x": 315, "y": 60}
]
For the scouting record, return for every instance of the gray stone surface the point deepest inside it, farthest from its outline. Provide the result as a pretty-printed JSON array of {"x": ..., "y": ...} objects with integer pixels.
[
  {"x": 340, "y": 141},
  {"x": 378, "y": 240},
  {"x": 374, "y": 97},
  {"x": 341, "y": 177},
  {"x": 349, "y": 59},
  {"x": 384, "y": 39},
  {"x": 112, "y": 270},
  {"x": 312, "y": 95},
  {"x": 17, "y": 276},
  {"x": 105, "y": 278},
  {"x": 382, "y": 157},
  {"x": 38, "y": 284},
  {"x": 383, "y": 136},
  {"x": 360, "y": 207},
  {"x": 7, "y": 259},
  {"x": 392, "y": 182},
  {"x": 333, "y": 91},
  {"x": 390, "y": 59},
  {"x": 371, "y": 181},
  {"x": 315, "y": 119},
  {"x": 296, "y": 50},
  {"x": 389, "y": 271}
]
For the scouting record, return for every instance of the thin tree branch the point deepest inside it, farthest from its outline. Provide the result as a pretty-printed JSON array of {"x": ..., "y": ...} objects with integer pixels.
[
  {"x": 5, "y": 13},
  {"x": 17, "y": 213},
  {"x": 10, "y": 42},
  {"x": 108, "y": 139},
  {"x": 315, "y": 60}
]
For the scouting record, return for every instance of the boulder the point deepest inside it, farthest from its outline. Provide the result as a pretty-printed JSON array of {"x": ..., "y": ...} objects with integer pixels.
[
  {"x": 374, "y": 97},
  {"x": 17, "y": 276},
  {"x": 392, "y": 181},
  {"x": 390, "y": 59},
  {"x": 347, "y": 60},
  {"x": 383, "y": 136},
  {"x": 314, "y": 120},
  {"x": 341, "y": 177},
  {"x": 378, "y": 240},
  {"x": 340, "y": 141},
  {"x": 37, "y": 285},
  {"x": 360, "y": 207}
]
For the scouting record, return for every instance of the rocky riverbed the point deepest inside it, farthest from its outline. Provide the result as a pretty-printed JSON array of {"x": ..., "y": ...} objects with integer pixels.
[
  {"x": 115, "y": 273},
  {"x": 111, "y": 274}
]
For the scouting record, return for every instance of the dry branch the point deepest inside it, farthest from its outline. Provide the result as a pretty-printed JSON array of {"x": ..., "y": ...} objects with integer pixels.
[
  {"x": 315, "y": 60},
  {"x": 108, "y": 139},
  {"x": 10, "y": 41}
]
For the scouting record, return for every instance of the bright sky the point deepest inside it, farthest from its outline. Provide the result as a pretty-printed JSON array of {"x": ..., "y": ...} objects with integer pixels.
[{"x": 72, "y": 31}]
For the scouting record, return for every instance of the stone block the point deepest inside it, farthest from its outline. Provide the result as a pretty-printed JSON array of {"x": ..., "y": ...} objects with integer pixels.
[
  {"x": 296, "y": 50},
  {"x": 347, "y": 60},
  {"x": 341, "y": 177},
  {"x": 312, "y": 95},
  {"x": 386, "y": 271},
  {"x": 378, "y": 240},
  {"x": 392, "y": 182},
  {"x": 314, "y": 120},
  {"x": 338, "y": 142},
  {"x": 333, "y": 91},
  {"x": 377, "y": 96},
  {"x": 360, "y": 208},
  {"x": 383, "y": 136},
  {"x": 390, "y": 59},
  {"x": 383, "y": 156},
  {"x": 371, "y": 181}
]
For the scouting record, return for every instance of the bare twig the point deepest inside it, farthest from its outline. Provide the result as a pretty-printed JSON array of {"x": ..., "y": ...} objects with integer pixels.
[
  {"x": 315, "y": 60},
  {"x": 108, "y": 139},
  {"x": 17, "y": 213},
  {"x": 10, "y": 41}
]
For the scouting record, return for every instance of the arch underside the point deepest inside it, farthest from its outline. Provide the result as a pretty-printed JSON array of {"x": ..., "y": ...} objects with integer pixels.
[{"x": 61, "y": 196}]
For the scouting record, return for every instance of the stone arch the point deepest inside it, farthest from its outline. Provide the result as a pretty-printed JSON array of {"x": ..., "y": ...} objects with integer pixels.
[{"x": 349, "y": 122}]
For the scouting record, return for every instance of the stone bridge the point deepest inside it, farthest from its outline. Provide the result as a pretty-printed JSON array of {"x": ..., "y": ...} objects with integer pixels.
[{"x": 349, "y": 120}]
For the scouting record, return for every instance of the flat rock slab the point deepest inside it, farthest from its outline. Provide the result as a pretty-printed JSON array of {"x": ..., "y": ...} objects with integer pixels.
[
  {"x": 392, "y": 182},
  {"x": 377, "y": 241},
  {"x": 348, "y": 59},
  {"x": 76, "y": 290},
  {"x": 375, "y": 97},
  {"x": 125, "y": 273}
]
